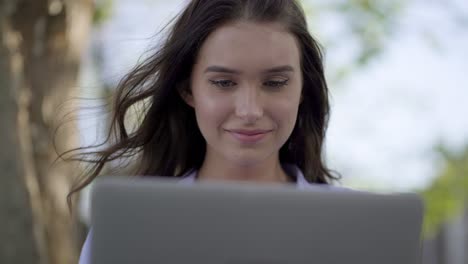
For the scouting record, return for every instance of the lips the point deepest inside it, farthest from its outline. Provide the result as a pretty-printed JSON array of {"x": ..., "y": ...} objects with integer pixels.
[
  {"x": 249, "y": 132},
  {"x": 248, "y": 136}
]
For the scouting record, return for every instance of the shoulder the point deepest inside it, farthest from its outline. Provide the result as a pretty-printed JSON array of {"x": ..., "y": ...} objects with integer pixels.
[
  {"x": 189, "y": 177},
  {"x": 303, "y": 184},
  {"x": 85, "y": 257}
]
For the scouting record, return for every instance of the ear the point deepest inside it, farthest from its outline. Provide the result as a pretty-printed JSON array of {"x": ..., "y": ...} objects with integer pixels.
[{"x": 185, "y": 93}]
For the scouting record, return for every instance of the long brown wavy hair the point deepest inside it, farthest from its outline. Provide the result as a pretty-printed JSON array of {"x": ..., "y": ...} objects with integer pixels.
[{"x": 167, "y": 141}]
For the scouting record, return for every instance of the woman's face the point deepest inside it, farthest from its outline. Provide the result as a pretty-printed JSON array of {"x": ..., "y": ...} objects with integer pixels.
[{"x": 246, "y": 88}]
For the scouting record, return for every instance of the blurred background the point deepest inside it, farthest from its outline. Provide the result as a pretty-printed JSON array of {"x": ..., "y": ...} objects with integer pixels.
[{"x": 398, "y": 77}]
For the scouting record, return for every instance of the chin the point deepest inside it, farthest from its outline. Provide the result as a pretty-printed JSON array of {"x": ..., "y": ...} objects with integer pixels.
[{"x": 248, "y": 159}]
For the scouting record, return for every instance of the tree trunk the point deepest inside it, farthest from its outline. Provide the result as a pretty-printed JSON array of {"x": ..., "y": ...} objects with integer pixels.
[
  {"x": 18, "y": 241},
  {"x": 40, "y": 50}
]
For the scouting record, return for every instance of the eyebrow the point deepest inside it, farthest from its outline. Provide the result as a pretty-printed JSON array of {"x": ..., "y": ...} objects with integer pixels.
[{"x": 221, "y": 69}]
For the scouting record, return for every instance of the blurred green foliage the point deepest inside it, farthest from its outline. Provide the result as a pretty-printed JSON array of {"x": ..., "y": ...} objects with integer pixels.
[
  {"x": 369, "y": 26},
  {"x": 446, "y": 197},
  {"x": 372, "y": 23},
  {"x": 102, "y": 11}
]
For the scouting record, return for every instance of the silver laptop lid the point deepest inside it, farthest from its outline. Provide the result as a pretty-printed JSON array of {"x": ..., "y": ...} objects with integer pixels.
[{"x": 160, "y": 221}]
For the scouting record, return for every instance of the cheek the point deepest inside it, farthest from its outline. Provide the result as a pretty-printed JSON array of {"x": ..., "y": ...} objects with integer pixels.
[
  {"x": 210, "y": 112},
  {"x": 285, "y": 114}
]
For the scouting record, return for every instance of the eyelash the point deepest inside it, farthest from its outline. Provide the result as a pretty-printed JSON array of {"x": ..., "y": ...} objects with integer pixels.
[{"x": 276, "y": 84}]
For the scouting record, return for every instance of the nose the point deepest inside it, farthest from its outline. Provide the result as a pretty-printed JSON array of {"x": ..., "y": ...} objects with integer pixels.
[{"x": 248, "y": 104}]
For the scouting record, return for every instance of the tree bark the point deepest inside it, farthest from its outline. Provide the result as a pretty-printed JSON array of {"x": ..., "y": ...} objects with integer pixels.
[
  {"x": 40, "y": 52},
  {"x": 19, "y": 242}
]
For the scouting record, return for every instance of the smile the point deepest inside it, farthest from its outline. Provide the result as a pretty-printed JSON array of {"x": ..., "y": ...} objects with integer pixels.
[{"x": 249, "y": 136}]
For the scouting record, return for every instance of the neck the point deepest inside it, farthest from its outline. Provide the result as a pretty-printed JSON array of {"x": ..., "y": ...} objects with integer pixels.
[{"x": 269, "y": 170}]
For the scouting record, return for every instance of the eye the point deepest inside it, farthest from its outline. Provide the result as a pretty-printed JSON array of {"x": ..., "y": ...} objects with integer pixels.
[
  {"x": 223, "y": 83},
  {"x": 276, "y": 84}
]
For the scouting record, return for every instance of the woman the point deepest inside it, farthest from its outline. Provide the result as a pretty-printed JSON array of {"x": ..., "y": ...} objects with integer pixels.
[{"x": 236, "y": 92}]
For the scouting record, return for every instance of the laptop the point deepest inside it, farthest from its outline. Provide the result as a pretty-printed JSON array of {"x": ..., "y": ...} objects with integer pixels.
[{"x": 159, "y": 220}]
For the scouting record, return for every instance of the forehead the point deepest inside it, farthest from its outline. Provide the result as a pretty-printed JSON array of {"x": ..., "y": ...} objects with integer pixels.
[{"x": 250, "y": 45}]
